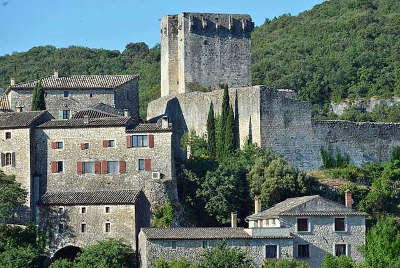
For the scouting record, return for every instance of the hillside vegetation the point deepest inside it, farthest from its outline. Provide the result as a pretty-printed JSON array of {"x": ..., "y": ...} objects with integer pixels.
[{"x": 339, "y": 49}]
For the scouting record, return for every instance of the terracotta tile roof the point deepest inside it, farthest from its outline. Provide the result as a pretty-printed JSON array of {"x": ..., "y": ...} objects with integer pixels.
[
  {"x": 314, "y": 205},
  {"x": 149, "y": 127},
  {"x": 4, "y": 104},
  {"x": 90, "y": 198},
  {"x": 93, "y": 122},
  {"x": 210, "y": 233},
  {"x": 78, "y": 82},
  {"x": 19, "y": 119}
]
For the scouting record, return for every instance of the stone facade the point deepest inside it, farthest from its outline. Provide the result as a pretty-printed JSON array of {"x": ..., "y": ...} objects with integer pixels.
[
  {"x": 276, "y": 119},
  {"x": 208, "y": 49}
]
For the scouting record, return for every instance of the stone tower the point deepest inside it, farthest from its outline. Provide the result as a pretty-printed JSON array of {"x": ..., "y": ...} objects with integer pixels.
[{"x": 207, "y": 49}]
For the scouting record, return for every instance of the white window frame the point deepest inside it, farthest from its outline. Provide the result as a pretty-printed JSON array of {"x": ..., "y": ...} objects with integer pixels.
[
  {"x": 115, "y": 143},
  {"x": 57, "y": 144},
  {"x": 61, "y": 210},
  {"x": 118, "y": 171},
  {"x": 345, "y": 224},
  {"x": 308, "y": 225},
  {"x": 144, "y": 164},
  {"x": 105, "y": 227},
  {"x": 278, "y": 255},
  {"x": 58, "y": 172},
  {"x": 334, "y": 248},
  {"x": 80, "y": 209},
  {"x": 5, "y": 159},
  {"x": 83, "y": 167}
]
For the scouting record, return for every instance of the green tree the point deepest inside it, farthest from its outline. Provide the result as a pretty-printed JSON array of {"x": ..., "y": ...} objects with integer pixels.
[
  {"x": 229, "y": 139},
  {"x": 284, "y": 263},
  {"x": 163, "y": 216},
  {"x": 105, "y": 254},
  {"x": 20, "y": 257},
  {"x": 12, "y": 196},
  {"x": 222, "y": 256},
  {"x": 337, "y": 262},
  {"x": 211, "y": 132},
  {"x": 181, "y": 263},
  {"x": 63, "y": 263},
  {"x": 38, "y": 100},
  {"x": 222, "y": 124},
  {"x": 383, "y": 244}
]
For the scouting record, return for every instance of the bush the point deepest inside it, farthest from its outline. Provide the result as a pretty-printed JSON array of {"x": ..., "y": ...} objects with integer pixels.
[
  {"x": 63, "y": 263},
  {"x": 163, "y": 216},
  {"x": 284, "y": 263},
  {"x": 181, "y": 263},
  {"x": 337, "y": 262},
  {"x": 333, "y": 161}
]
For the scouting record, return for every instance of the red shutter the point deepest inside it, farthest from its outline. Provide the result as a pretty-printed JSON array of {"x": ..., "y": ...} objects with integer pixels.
[
  {"x": 82, "y": 146},
  {"x": 97, "y": 167},
  {"x": 53, "y": 167},
  {"x": 129, "y": 141},
  {"x": 103, "y": 167},
  {"x": 79, "y": 168},
  {"x": 105, "y": 143},
  {"x": 122, "y": 167},
  {"x": 147, "y": 164},
  {"x": 151, "y": 141},
  {"x": 53, "y": 145}
]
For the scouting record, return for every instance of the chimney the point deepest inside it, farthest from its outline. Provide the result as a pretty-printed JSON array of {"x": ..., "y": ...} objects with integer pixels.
[
  {"x": 234, "y": 219},
  {"x": 257, "y": 204},
  {"x": 164, "y": 122},
  {"x": 348, "y": 201},
  {"x": 86, "y": 119},
  {"x": 19, "y": 108},
  {"x": 127, "y": 113},
  {"x": 55, "y": 75},
  {"x": 12, "y": 82}
]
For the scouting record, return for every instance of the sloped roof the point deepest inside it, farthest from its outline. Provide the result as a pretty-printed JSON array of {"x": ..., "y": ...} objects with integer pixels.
[
  {"x": 180, "y": 233},
  {"x": 313, "y": 205},
  {"x": 93, "y": 122},
  {"x": 149, "y": 127},
  {"x": 90, "y": 198},
  {"x": 19, "y": 119},
  {"x": 78, "y": 82},
  {"x": 99, "y": 110}
]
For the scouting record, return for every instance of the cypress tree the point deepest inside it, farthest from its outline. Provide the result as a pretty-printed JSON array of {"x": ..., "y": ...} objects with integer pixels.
[
  {"x": 38, "y": 102},
  {"x": 224, "y": 117},
  {"x": 229, "y": 141},
  {"x": 211, "y": 132}
]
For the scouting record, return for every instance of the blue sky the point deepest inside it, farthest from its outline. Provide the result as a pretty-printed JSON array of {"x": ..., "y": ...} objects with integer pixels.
[{"x": 114, "y": 23}]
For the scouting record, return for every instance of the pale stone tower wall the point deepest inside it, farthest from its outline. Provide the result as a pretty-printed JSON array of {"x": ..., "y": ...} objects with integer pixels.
[{"x": 206, "y": 49}]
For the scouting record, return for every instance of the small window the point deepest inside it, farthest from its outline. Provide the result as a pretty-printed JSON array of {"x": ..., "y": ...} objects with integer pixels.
[
  {"x": 91, "y": 95},
  {"x": 141, "y": 164},
  {"x": 64, "y": 114},
  {"x": 140, "y": 141},
  {"x": 111, "y": 143},
  {"x": 205, "y": 244},
  {"x": 173, "y": 244},
  {"x": 60, "y": 228},
  {"x": 83, "y": 228},
  {"x": 60, "y": 166},
  {"x": 271, "y": 251},
  {"x": 8, "y": 159},
  {"x": 112, "y": 167},
  {"x": 8, "y": 135},
  {"x": 66, "y": 93},
  {"x": 340, "y": 249},
  {"x": 60, "y": 210},
  {"x": 88, "y": 167},
  {"x": 59, "y": 145},
  {"x": 108, "y": 227},
  {"x": 303, "y": 251},
  {"x": 107, "y": 210},
  {"x": 302, "y": 225},
  {"x": 340, "y": 225},
  {"x": 83, "y": 210},
  {"x": 85, "y": 146}
]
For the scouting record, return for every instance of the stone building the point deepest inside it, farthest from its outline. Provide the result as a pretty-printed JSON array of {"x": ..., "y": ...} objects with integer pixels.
[
  {"x": 17, "y": 154},
  {"x": 206, "y": 49},
  {"x": 65, "y": 95},
  {"x": 305, "y": 228}
]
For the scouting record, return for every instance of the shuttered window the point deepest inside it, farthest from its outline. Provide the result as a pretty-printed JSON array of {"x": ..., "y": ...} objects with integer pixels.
[
  {"x": 88, "y": 167},
  {"x": 122, "y": 167},
  {"x": 8, "y": 159},
  {"x": 57, "y": 166},
  {"x": 147, "y": 164},
  {"x": 141, "y": 164},
  {"x": 140, "y": 141}
]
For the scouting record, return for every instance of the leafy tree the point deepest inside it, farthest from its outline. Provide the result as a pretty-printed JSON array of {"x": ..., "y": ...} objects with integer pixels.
[
  {"x": 38, "y": 101},
  {"x": 163, "y": 216},
  {"x": 211, "y": 139},
  {"x": 197, "y": 145},
  {"x": 222, "y": 256},
  {"x": 105, "y": 254},
  {"x": 12, "y": 196},
  {"x": 181, "y": 263},
  {"x": 284, "y": 263},
  {"x": 337, "y": 262},
  {"x": 383, "y": 244},
  {"x": 229, "y": 139},
  {"x": 63, "y": 263},
  {"x": 20, "y": 257}
]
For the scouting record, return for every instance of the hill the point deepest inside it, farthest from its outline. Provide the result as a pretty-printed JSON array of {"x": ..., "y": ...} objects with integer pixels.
[{"x": 339, "y": 49}]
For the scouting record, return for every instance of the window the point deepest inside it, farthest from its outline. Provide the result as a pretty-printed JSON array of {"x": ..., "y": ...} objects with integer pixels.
[
  {"x": 66, "y": 94},
  {"x": 91, "y": 95},
  {"x": 108, "y": 227},
  {"x": 60, "y": 166},
  {"x": 141, "y": 164},
  {"x": 84, "y": 146},
  {"x": 88, "y": 167},
  {"x": 64, "y": 114},
  {"x": 340, "y": 249},
  {"x": 271, "y": 251},
  {"x": 111, "y": 143},
  {"x": 60, "y": 210},
  {"x": 140, "y": 141},
  {"x": 173, "y": 244},
  {"x": 340, "y": 225},
  {"x": 302, "y": 225},
  {"x": 107, "y": 210},
  {"x": 59, "y": 145},
  {"x": 8, "y": 135},
  {"x": 205, "y": 244},
  {"x": 303, "y": 251},
  {"x": 83, "y": 228},
  {"x": 60, "y": 228},
  {"x": 8, "y": 159},
  {"x": 83, "y": 210},
  {"x": 112, "y": 167}
]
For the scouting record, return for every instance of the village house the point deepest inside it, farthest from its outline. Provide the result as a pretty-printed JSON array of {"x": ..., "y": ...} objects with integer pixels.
[{"x": 305, "y": 228}]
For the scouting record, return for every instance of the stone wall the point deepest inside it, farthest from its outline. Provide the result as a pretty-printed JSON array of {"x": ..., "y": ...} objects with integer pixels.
[
  {"x": 68, "y": 180},
  {"x": 123, "y": 97},
  {"x": 322, "y": 238},
  {"x": 204, "y": 48},
  {"x": 151, "y": 250}
]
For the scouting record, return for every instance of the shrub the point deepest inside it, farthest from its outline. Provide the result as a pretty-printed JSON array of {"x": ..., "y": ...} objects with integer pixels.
[
  {"x": 181, "y": 263},
  {"x": 284, "y": 263},
  {"x": 163, "y": 216}
]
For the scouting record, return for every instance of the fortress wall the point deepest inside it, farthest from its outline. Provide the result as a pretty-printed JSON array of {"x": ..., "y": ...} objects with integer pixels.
[{"x": 189, "y": 112}]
